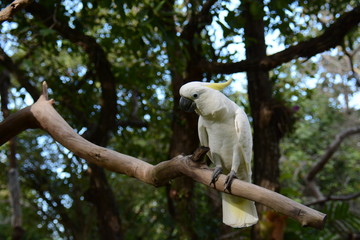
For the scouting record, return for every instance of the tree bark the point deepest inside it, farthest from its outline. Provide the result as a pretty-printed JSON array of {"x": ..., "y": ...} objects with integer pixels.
[
  {"x": 265, "y": 137},
  {"x": 7, "y": 13},
  {"x": 102, "y": 196},
  {"x": 13, "y": 173},
  {"x": 266, "y": 140},
  {"x": 184, "y": 138}
]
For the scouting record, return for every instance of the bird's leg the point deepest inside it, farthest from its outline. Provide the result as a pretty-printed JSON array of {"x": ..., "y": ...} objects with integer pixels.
[
  {"x": 218, "y": 169},
  {"x": 229, "y": 178},
  {"x": 234, "y": 169},
  {"x": 215, "y": 175}
]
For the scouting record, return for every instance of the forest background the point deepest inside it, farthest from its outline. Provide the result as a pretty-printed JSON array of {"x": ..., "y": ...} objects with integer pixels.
[{"x": 115, "y": 68}]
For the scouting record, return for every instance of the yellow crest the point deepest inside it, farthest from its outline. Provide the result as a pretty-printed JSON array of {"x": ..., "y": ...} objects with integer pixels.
[{"x": 219, "y": 86}]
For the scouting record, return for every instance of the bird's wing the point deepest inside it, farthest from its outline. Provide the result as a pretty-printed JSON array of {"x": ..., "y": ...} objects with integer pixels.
[
  {"x": 244, "y": 135},
  {"x": 203, "y": 136}
]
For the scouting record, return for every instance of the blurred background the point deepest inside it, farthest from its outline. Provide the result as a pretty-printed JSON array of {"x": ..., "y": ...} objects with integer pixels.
[{"x": 115, "y": 68}]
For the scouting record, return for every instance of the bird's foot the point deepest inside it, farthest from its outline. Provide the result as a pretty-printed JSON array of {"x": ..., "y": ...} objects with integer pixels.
[
  {"x": 230, "y": 177},
  {"x": 215, "y": 175}
]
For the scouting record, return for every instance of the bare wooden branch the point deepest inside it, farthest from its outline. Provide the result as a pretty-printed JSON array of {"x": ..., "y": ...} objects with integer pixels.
[
  {"x": 48, "y": 119},
  {"x": 7, "y": 13},
  {"x": 14, "y": 189}
]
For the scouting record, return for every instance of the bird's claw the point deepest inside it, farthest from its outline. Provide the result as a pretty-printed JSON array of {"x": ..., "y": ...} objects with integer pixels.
[
  {"x": 215, "y": 175},
  {"x": 229, "y": 178}
]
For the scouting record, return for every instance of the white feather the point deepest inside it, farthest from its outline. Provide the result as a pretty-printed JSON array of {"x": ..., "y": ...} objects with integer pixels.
[{"x": 225, "y": 129}]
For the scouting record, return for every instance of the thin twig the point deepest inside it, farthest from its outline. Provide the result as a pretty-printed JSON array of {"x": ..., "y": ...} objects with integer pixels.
[{"x": 334, "y": 198}]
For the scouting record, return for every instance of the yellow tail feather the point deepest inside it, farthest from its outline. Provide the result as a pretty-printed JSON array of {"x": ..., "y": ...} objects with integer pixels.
[{"x": 238, "y": 212}]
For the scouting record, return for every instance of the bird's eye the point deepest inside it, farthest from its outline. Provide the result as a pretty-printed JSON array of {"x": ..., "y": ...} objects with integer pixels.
[{"x": 195, "y": 95}]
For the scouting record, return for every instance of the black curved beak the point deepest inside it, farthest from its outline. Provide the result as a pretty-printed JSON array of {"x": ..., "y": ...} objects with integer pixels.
[{"x": 187, "y": 105}]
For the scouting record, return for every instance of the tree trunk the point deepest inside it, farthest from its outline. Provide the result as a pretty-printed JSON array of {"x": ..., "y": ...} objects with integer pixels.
[
  {"x": 13, "y": 173},
  {"x": 184, "y": 138},
  {"x": 15, "y": 194},
  {"x": 102, "y": 196},
  {"x": 100, "y": 192},
  {"x": 266, "y": 138}
]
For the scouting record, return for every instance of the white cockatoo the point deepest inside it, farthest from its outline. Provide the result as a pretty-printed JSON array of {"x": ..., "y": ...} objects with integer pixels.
[{"x": 223, "y": 127}]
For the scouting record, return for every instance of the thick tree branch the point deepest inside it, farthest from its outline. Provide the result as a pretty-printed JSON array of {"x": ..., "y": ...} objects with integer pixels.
[
  {"x": 44, "y": 116},
  {"x": 16, "y": 123},
  {"x": 8, "y": 12},
  {"x": 332, "y": 148},
  {"x": 330, "y": 38}
]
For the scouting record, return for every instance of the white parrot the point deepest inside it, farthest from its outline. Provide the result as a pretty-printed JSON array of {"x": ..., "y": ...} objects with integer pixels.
[{"x": 223, "y": 127}]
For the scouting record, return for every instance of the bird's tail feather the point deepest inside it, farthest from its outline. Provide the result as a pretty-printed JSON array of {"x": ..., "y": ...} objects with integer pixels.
[{"x": 238, "y": 212}]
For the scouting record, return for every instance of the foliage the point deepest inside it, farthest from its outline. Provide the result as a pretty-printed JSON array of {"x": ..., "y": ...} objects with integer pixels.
[
  {"x": 140, "y": 47},
  {"x": 322, "y": 114},
  {"x": 341, "y": 222}
]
